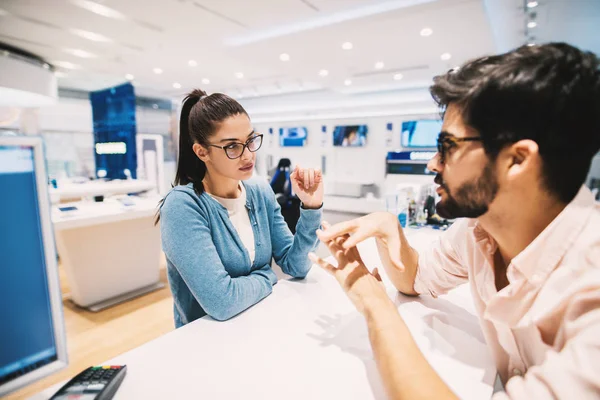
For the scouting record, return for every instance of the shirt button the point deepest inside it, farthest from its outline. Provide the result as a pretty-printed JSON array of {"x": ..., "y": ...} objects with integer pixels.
[{"x": 517, "y": 372}]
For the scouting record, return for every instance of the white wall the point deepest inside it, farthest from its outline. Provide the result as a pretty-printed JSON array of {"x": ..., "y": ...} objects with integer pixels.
[{"x": 360, "y": 165}]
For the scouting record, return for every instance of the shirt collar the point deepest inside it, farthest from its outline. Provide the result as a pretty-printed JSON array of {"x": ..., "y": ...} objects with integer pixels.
[{"x": 543, "y": 254}]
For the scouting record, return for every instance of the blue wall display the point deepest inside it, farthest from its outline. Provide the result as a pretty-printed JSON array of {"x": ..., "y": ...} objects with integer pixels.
[
  {"x": 350, "y": 135},
  {"x": 113, "y": 112},
  {"x": 420, "y": 134},
  {"x": 292, "y": 136}
]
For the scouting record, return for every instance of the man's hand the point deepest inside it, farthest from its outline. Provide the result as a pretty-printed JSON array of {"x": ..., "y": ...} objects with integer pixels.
[
  {"x": 399, "y": 259},
  {"x": 364, "y": 288}
]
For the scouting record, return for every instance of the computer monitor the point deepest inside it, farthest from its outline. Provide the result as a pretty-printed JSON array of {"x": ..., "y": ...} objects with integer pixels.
[
  {"x": 32, "y": 334},
  {"x": 420, "y": 134}
]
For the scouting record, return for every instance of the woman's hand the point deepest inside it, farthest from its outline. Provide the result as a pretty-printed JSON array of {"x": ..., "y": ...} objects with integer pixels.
[{"x": 307, "y": 184}]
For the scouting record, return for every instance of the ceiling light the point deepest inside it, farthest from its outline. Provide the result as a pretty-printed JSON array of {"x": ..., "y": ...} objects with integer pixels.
[
  {"x": 239, "y": 75},
  {"x": 193, "y": 63},
  {"x": 157, "y": 71},
  {"x": 530, "y": 44},
  {"x": 205, "y": 81},
  {"x": 155, "y": 106},
  {"x": 129, "y": 77},
  {"x": 80, "y": 53},
  {"x": 531, "y": 24},
  {"x": 177, "y": 85},
  {"x": 397, "y": 77},
  {"x": 284, "y": 57},
  {"x": 426, "y": 32},
  {"x": 379, "y": 65},
  {"x": 95, "y": 37},
  {"x": 323, "y": 72},
  {"x": 446, "y": 56},
  {"x": 347, "y": 82},
  {"x": 347, "y": 46},
  {"x": 532, "y": 4},
  {"x": 98, "y": 9},
  {"x": 66, "y": 64}
]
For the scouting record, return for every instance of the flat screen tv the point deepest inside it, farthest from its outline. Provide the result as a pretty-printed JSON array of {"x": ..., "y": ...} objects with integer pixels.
[
  {"x": 293, "y": 136},
  {"x": 350, "y": 135},
  {"x": 420, "y": 134}
]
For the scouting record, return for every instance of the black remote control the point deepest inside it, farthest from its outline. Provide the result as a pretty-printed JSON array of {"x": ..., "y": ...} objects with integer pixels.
[{"x": 94, "y": 383}]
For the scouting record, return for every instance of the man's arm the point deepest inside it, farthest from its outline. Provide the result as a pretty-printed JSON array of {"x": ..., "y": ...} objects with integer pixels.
[{"x": 404, "y": 370}]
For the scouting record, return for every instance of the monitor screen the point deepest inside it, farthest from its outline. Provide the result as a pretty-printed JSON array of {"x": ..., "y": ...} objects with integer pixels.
[
  {"x": 293, "y": 136},
  {"x": 419, "y": 134},
  {"x": 350, "y": 135},
  {"x": 29, "y": 325}
]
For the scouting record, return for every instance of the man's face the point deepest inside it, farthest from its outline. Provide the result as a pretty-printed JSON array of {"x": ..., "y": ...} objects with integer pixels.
[{"x": 467, "y": 179}]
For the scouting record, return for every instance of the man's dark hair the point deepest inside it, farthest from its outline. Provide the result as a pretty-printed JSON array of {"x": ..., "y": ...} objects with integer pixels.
[{"x": 547, "y": 93}]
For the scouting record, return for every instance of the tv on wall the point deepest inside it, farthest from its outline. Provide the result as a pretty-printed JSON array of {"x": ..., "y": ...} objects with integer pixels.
[
  {"x": 293, "y": 136},
  {"x": 350, "y": 135},
  {"x": 420, "y": 134}
]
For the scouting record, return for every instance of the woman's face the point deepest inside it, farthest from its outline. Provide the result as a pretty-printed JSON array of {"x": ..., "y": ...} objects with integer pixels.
[{"x": 236, "y": 129}]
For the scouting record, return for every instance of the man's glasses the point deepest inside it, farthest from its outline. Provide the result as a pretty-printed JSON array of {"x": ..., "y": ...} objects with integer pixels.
[
  {"x": 235, "y": 150},
  {"x": 447, "y": 141}
]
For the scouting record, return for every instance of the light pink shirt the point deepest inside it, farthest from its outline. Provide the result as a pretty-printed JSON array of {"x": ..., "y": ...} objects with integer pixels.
[{"x": 544, "y": 327}]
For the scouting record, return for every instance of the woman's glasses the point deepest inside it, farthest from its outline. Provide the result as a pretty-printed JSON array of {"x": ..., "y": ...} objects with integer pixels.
[
  {"x": 235, "y": 150},
  {"x": 447, "y": 141}
]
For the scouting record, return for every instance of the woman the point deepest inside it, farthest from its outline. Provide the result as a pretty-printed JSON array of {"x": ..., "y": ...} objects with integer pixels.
[{"x": 220, "y": 230}]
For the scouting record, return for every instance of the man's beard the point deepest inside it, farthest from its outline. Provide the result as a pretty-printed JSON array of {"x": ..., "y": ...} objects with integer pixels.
[{"x": 471, "y": 199}]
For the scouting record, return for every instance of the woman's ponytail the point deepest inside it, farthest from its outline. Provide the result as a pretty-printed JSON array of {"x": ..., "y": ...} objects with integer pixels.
[{"x": 190, "y": 169}]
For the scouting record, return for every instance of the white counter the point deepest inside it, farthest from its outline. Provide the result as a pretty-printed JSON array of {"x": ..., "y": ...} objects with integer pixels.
[
  {"x": 306, "y": 341},
  {"x": 67, "y": 190},
  {"x": 110, "y": 252}
]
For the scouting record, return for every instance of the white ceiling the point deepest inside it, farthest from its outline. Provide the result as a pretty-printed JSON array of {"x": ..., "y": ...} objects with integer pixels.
[
  {"x": 167, "y": 34},
  {"x": 229, "y": 36}
]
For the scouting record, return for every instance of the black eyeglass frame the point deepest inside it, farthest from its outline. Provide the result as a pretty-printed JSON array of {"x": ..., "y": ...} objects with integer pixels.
[
  {"x": 446, "y": 141},
  {"x": 244, "y": 146}
]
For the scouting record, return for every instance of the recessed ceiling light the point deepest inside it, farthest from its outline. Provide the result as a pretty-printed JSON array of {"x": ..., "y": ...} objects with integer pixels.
[
  {"x": 446, "y": 56},
  {"x": 95, "y": 37},
  {"x": 205, "y": 81},
  {"x": 426, "y": 32},
  {"x": 379, "y": 65},
  {"x": 323, "y": 72},
  {"x": 80, "y": 53},
  {"x": 192, "y": 63},
  {"x": 347, "y": 82},
  {"x": 530, "y": 44},
  {"x": 531, "y": 24},
  {"x": 98, "y": 9},
  {"x": 66, "y": 64},
  {"x": 129, "y": 77},
  {"x": 46, "y": 66},
  {"x": 157, "y": 71},
  {"x": 177, "y": 85},
  {"x": 284, "y": 57},
  {"x": 239, "y": 75},
  {"x": 397, "y": 77},
  {"x": 347, "y": 46},
  {"x": 532, "y": 4}
]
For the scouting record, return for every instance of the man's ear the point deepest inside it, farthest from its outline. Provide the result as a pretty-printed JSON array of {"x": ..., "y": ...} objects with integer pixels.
[
  {"x": 522, "y": 156},
  {"x": 200, "y": 151}
]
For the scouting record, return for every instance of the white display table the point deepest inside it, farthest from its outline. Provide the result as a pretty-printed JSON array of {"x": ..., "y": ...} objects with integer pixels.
[
  {"x": 110, "y": 252},
  {"x": 66, "y": 190},
  {"x": 306, "y": 341}
]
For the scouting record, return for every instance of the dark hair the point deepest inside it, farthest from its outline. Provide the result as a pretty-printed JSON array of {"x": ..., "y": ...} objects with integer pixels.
[
  {"x": 548, "y": 93},
  {"x": 200, "y": 116}
]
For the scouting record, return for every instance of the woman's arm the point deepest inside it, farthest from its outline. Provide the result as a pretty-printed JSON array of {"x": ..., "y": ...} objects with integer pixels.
[
  {"x": 188, "y": 244},
  {"x": 291, "y": 251}
]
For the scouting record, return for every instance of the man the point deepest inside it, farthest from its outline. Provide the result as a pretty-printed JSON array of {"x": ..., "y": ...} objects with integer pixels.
[{"x": 519, "y": 132}]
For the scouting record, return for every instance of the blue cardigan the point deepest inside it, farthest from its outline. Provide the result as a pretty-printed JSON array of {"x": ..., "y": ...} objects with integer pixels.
[{"x": 208, "y": 266}]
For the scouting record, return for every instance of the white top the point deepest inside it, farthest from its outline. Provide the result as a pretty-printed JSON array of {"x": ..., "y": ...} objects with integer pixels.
[
  {"x": 238, "y": 214},
  {"x": 307, "y": 331}
]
